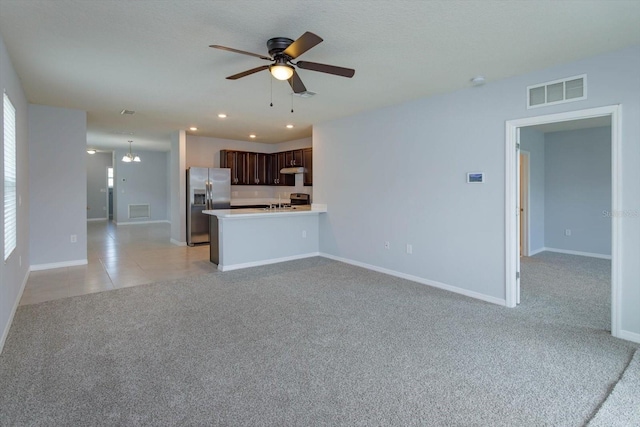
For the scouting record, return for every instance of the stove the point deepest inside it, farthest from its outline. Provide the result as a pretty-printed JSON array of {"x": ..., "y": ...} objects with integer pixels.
[{"x": 300, "y": 199}]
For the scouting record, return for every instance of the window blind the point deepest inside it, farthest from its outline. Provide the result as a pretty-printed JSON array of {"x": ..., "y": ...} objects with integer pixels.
[{"x": 10, "y": 187}]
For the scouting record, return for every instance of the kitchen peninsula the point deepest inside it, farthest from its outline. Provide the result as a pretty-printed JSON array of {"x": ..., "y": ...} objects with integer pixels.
[{"x": 242, "y": 238}]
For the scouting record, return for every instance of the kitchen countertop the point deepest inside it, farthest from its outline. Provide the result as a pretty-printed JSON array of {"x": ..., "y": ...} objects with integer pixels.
[
  {"x": 266, "y": 213},
  {"x": 262, "y": 201}
]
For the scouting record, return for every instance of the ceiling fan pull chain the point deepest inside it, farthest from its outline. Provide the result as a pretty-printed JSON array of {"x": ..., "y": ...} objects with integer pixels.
[
  {"x": 292, "y": 102},
  {"x": 271, "y": 83}
]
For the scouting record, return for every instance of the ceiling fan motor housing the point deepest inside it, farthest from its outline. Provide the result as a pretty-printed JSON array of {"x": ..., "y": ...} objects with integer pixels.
[{"x": 278, "y": 44}]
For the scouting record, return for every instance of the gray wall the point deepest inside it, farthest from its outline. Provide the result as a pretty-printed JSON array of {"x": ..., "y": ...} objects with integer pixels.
[
  {"x": 14, "y": 271},
  {"x": 398, "y": 174},
  {"x": 58, "y": 185},
  {"x": 578, "y": 190},
  {"x": 97, "y": 165},
  {"x": 533, "y": 141},
  {"x": 141, "y": 183},
  {"x": 178, "y": 190}
]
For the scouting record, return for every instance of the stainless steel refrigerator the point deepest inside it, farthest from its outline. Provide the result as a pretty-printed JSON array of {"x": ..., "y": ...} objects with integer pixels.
[{"x": 207, "y": 188}]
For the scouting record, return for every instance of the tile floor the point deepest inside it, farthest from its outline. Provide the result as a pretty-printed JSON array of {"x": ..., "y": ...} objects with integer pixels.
[{"x": 118, "y": 257}]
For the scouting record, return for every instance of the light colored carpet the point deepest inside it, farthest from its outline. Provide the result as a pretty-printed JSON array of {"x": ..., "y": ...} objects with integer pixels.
[
  {"x": 309, "y": 342},
  {"x": 622, "y": 407}
]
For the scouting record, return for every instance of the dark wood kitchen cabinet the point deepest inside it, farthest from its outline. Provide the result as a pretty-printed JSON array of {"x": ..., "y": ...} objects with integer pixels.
[
  {"x": 307, "y": 163},
  {"x": 236, "y": 161},
  {"x": 259, "y": 169},
  {"x": 293, "y": 158},
  {"x": 279, "y": 162},
  {"x": 248, "y": 168}
]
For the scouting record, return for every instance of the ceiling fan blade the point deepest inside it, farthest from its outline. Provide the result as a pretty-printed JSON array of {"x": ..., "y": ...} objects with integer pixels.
[
  {"x": 248, "y": 72},
  {"x": 296, "y": 83},
  {"x": 230, "y": 49},
  {"x": 303, "y": 44},
  {"x": 324, "y": 68}
]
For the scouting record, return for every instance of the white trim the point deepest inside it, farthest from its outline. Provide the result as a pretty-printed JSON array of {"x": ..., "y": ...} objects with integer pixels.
[
  {"x": 5, "y": 333},
  {"x": 525, "y": 216},
  {"x": 417, "y": 279},
  {"x": 175, "y": 242},
  {"x": 96, "y": 219},
  {"x": 38, "y": 267},
  {"x": 570, "y": 252},
  {"x": 629, "y": 336},
  {"x": 537, "y": 251},
  {"x": 142, "y": 222},
  {"x": 511, "y": 258},
  {"x": 265, "y": 262}
]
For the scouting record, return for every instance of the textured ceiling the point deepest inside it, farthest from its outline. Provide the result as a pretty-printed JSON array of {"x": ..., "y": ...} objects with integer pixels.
[{"x": 152, "y": 56}]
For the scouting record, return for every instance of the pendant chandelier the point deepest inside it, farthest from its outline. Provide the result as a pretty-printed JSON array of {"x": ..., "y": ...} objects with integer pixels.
[{"x": 129, "y": 157}]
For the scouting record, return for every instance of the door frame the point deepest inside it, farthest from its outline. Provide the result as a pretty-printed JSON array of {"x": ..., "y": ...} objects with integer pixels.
[
  {"x": 512, "y": 260},
  {"x": 525, "y": 173}
]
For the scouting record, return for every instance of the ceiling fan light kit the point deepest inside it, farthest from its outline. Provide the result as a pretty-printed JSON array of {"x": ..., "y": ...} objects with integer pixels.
[
  {"x": 282, "y": 52},
  {"x": 281, "y": 71}
]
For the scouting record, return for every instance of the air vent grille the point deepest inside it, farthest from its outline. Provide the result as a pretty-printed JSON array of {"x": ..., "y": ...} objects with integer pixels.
[
  {"x": 557, "y": 91},
  {"x": 139, "y": 211}
]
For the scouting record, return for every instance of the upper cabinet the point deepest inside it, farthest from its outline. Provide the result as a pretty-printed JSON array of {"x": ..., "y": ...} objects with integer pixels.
[
  {"x": 307, "y": 163},
  {"x": 294, "y": 158},
  {"x": 235, "y": 160},
  {"x": 279, "y": 162},
  {"x": 259, "y": 169},
  {"x": 249, "y": 168}
]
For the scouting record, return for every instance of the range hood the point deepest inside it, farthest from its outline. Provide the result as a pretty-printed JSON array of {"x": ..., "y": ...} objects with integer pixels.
[{"x": 293, "y": 170}]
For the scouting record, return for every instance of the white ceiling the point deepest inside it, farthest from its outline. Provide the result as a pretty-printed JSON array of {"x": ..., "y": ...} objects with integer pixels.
[{"x": 152, "y": 56}]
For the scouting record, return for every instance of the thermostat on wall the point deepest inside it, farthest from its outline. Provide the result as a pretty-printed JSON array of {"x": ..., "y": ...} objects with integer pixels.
[{"x": 475, "y": 178}]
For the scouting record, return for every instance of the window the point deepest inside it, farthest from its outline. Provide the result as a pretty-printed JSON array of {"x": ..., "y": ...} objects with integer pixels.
[
  {"x": 110, "y": 177},
  {"x": 10, "y": 187}
]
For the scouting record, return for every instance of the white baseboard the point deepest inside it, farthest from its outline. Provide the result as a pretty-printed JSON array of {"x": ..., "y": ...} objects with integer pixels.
[
  {"x": 420, "y": 280},
  {"x": 5, "y": 333},
  {"x": 177, "y": 243},
  {"x": 142, "y": 222},
  {"x": 96, "y": 219},
  {"x": 537, "y": 251},
  {"x": 565, "y": 251},
  {"x": 49, "y": 266},
  {"x": 629, "y": 336},
  {"x": 265, "y": 262}
]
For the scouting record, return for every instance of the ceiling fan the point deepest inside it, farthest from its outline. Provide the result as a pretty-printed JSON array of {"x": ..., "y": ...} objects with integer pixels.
[{"x": 282, "y": 51}]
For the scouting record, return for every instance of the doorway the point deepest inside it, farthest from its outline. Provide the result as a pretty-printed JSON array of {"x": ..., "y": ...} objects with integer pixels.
[
  {"x": 109, "y": 193},
  {"x": 513, "y": 203}
]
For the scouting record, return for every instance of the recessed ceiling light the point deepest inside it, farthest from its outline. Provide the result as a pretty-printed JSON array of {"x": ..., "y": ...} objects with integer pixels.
[
  {"x": 91, "y": 151},
  {"x": 252, "y": 136},
  {"x": 289, "y": 126},
  {"x": 193, "y": 128},
  {"x": 128, "y": 112},
  {"x": 222, "y": 115}
]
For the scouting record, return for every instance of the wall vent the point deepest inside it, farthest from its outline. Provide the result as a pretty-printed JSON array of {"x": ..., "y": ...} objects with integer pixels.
[
  {"x": 139, "y": 211},
  {"x": 557, "y": 91}
]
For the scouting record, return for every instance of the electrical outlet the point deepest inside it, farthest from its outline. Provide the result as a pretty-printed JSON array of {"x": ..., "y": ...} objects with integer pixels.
[
  {"x": 409, "y": 248},
  {"x": 304, "y": 234},
  {"x": 567, "y": 232},
  {"x": 74, "y": 238},
  {"x": 387, "y": 245}
]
